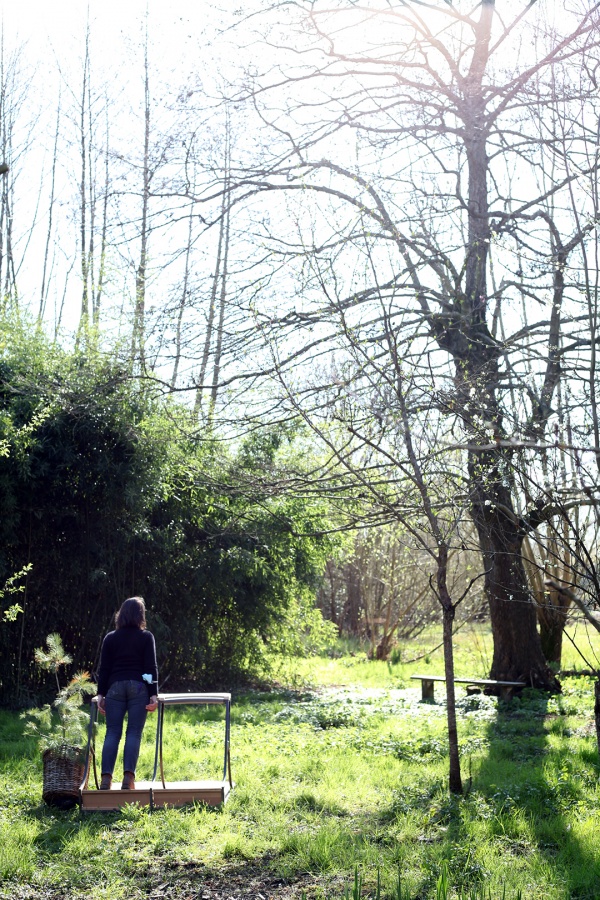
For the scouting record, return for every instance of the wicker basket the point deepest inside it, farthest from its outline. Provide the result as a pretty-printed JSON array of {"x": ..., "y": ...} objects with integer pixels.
[{"x": 63, "y": 773}]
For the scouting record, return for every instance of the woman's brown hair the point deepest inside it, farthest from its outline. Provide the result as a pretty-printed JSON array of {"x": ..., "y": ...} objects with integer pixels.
[{"x": 132, "y": 612}]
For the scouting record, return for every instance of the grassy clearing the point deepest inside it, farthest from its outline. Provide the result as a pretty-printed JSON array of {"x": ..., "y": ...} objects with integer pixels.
[{"x": 345, "y": 776}]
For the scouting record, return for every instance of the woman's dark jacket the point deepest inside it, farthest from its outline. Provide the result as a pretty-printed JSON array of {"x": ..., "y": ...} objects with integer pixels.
[{"x": 127, "y": 654}]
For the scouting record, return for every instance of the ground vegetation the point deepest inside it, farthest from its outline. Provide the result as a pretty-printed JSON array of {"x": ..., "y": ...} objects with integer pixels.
[{"x": 344, "y": 773}]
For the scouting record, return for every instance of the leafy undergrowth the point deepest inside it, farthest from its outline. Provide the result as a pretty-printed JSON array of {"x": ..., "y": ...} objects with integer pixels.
[{"x": 338, "y": 789}]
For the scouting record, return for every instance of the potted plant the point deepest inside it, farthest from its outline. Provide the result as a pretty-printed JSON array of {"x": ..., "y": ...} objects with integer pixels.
[{"x": 61, "y": 727}]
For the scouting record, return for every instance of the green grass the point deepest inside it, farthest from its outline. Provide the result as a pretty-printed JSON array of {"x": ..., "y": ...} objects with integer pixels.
[{"x": 341, "y": 786}]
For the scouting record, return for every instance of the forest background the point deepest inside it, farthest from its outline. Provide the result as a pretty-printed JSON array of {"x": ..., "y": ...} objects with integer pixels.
[{"x": 311, "y": 289}]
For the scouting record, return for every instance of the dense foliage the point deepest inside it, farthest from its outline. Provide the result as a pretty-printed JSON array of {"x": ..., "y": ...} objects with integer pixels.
[{"x": 105, "y": 493}]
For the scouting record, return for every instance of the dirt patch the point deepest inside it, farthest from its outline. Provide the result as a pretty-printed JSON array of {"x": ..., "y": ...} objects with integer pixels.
[
  {"x": 190, "y": 881},
  {"x": 244, "y": 881}
]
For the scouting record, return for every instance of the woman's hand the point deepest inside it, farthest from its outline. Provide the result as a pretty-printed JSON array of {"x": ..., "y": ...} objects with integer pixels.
[
  {"x": 100, "y": 700},
  {"x": 151, "y": 707}
]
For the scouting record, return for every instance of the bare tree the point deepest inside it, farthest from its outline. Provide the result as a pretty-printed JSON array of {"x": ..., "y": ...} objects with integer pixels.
[
  {"x": 214, "y": 334},
  {"x": 91, "y": 108},
  {"x": 390, "y": 597},
  {"x": 13, "y": 95},
  {"x": 101, "y": 279},
  {"x": 46, "y": 264},
  {"x": 389, "y": 473},
  {"x": 85, "y": 185},
  {"x": 184, "y": 298},
  {"x": 440, "y": 112},
  {"x": 378, "y": 589},
  {"x": 139, "y": 313}
]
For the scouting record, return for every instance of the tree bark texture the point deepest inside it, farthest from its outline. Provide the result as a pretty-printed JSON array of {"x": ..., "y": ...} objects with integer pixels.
[
  {"x": 517, "y": 647},
  {"x": 551, "y": 636},
  {"x": 518, "y": 651},
  {"x": 448, "y": 609}
]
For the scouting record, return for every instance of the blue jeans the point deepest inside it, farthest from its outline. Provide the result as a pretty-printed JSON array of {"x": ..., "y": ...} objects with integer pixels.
[{"x": 123, "y": 697}]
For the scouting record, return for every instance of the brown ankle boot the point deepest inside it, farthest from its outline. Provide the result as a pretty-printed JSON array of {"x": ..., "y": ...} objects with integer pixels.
[
  {"x": 128, "y": 781},
  {"x": 106, "y": 782}
]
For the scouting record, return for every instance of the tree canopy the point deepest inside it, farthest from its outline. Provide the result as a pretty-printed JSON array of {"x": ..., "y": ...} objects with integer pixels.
[{"x": 438, "y": 165}]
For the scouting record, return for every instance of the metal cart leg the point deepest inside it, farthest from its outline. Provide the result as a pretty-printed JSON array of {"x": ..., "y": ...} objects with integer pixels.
[
  {"x": 90, "y": 750},
  {"x": 158, "y": 753},
  {"x": 227, "y": 760}
]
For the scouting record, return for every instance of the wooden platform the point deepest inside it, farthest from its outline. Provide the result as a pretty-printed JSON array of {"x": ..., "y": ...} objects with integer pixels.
[
  {"x": 159, "y": 792},
  {"x": 154, "y": 795}
]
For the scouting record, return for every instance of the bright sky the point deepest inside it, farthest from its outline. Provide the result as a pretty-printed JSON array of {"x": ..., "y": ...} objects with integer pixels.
[
  {"x": 179, "y": 32},
  {"x": 51, "y": 36},
  {"x": 181, "y": 47}
]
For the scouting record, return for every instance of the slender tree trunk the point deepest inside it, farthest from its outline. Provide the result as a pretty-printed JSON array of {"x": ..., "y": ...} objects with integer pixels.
[
  {"x": 103, "y": 236},
  {"x": 443, "y": 594},
  {"x": 91, "y": 187},
  {"x": 44, "y": 290},
  {"x": 139, "y": 315},
  {"x": 4, "y": 137},
  {"x": 327, "y": 595},
  {"x": 58, "y": 310},
  {"x": 10, "y": 284},
  {"x": 223, "y": 238},
  {"x": 182, "y": 303},
  {"x": 350, "y": 615},
  {"x": 7, "y": 117},
  {"x": 454, "y": 777},
  {"x": 83, "y": 210},
  {"x": 209, "y": 323},
  {"x": 597, "y": 711},
  {"x": 222, "y": 304}
]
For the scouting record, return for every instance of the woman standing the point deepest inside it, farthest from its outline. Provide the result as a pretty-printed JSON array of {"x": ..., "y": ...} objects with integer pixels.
[{"x": 127, "y": 683}]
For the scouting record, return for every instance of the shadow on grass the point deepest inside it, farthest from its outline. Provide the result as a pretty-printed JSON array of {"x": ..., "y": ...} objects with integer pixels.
[
  {"x": 60, "y": 825},
  {"x": 528, "y": 818},
  {"x": 525, "y": 798},
  {"x": 535, "y": 784}
]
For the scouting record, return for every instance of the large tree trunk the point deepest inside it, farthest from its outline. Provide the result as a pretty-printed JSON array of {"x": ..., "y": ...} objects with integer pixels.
[
  {"x": 552, "y": 627},
  {"x": 518, "y": 652},
  {"x": 517, "y": 647}
]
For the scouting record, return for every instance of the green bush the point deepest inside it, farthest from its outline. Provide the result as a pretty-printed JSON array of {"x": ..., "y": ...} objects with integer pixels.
[{"x": 108, "y": 491}]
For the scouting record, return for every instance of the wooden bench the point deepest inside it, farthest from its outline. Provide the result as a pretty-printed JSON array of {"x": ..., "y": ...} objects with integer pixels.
[{"x": 507, "y": 688}]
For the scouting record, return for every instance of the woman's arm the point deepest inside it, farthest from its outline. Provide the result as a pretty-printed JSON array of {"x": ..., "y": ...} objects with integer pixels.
[
  {"x": 104, "y": 673},
  {"x": 150, "y": 664}
]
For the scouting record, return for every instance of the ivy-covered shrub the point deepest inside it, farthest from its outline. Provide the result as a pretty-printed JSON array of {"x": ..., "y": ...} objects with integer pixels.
[{"x": 107, "y": 491}]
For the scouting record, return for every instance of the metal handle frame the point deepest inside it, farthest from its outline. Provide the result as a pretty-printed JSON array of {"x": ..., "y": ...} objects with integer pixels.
[
  {"x": 194, "y": 700},
  {"x": 90, "y": 752}
]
